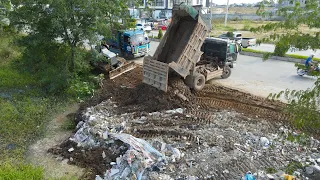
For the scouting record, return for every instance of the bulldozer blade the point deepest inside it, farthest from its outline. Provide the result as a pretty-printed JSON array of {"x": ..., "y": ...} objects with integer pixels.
[{"x": 120, "y": 70}]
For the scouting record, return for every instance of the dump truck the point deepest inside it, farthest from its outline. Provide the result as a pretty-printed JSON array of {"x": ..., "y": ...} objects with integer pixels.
[{"x": 179, "y": 52}]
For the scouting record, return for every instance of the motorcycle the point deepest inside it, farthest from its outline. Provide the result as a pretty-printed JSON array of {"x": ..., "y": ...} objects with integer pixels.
[{"x": 301, "y": 71}]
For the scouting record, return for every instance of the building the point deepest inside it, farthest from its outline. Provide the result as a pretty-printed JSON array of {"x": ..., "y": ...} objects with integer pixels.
[
  {"x": 288, "y": 3},
  {"x": 162, "y": 9}
]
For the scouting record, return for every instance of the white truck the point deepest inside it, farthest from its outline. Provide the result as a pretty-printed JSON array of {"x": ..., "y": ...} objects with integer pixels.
[{"x": 248, "y": 42}]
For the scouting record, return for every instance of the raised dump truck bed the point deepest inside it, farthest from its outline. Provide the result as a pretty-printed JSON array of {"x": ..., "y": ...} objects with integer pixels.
[{"x": 180, "y": 49}]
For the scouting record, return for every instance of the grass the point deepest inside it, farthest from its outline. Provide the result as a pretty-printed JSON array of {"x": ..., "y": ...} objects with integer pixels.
[
  {"x": 244, "y": 27},
  {"x": 24, "y": 113},
  {"x": 287, "y": 55},
  {"x": 238, "y": 10},
  {"x": 69, "y": 124},
  {"x": 20, "y": 172}
]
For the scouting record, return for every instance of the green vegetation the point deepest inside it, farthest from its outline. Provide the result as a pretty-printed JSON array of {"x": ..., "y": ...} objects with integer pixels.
[
  {"x": 297, "y": 56},
  {"x": 299, "y": 138},
  {"x": 293, "y": 35},
  {"x": 293, "y": 166},
  {"x": 69, "y": 124},
  {"x": 271, "y": 170},
  {"x": 20, "y": 171},
  {"x": 40, "y": 76},
  {"x": 160, "y": 34}
]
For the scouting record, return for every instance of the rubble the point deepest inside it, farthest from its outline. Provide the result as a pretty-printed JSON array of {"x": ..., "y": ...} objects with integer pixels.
[{"x": 142, "y": 133}]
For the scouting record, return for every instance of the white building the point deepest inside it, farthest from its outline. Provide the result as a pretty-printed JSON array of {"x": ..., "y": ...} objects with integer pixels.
[{"x": 162, "y": 9}]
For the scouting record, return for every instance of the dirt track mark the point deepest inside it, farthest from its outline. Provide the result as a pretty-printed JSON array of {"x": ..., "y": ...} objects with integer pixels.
[{"x": 218, "y": 97}]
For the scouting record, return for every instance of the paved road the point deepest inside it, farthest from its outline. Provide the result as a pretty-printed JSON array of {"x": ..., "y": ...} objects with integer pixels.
[
  {"x": 263, "y": 77},
  {"x": 260, "y": 78}
]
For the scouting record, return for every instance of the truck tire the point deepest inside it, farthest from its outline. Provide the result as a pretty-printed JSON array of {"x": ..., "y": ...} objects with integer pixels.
[
  {"x": 198, "y": 81},
  {"x": 234, "y": 57},
  {"x": 226, "y": 72},
  {"x": 189, "y": 81}
]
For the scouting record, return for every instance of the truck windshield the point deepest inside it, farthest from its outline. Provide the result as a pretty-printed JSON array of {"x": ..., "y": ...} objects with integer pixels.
[{"x": 137, "y": 39}]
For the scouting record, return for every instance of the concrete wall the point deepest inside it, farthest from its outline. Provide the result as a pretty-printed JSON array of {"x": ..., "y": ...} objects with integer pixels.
[{"x": 246, "y": 17}]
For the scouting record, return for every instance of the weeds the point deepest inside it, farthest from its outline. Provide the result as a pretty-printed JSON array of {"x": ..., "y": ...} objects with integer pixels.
[
  {"x": 292, "y": 167},
  {"x": 20, "y": 171},
  {"x": 271, "y": 170},
  {"x": 69, "y": 124}
]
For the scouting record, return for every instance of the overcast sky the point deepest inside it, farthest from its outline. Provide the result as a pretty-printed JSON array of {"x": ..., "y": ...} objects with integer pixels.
[{"x": 234, "y": 1}]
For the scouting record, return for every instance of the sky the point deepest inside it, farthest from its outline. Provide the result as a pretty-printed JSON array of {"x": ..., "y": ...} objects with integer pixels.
[{"x": 221, "y": 2}]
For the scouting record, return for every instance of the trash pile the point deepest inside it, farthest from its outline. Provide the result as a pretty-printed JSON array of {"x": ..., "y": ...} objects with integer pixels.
[
  {"x": 102, "y": 128},
  {"x": 193, "y": 144}
]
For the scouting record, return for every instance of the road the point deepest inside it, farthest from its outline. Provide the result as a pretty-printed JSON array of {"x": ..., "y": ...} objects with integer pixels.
[
  {"x": 270, "y": 48},
  {"x": 259, "y": 77}
]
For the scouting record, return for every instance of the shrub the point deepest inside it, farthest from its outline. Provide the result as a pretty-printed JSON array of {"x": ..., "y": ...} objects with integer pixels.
[
  {"x": 281, "y": 48},
  {"x": 160, "y": 34}
]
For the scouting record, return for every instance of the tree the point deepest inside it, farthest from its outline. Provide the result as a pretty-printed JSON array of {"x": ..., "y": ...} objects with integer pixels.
[
  {"x": 4, "y": 9},
  {"x": 69, "y": 21},
  {"x": 303, "y": 105},
  {"x": 295, "y": 17}
]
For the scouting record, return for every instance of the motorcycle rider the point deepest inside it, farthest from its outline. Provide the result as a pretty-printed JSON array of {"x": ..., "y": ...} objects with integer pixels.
[{"x": 310, "y": 65}]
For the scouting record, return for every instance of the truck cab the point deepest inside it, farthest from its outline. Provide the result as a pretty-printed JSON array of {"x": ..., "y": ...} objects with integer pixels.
[
  {"x": 130, "y": 43},
  {"x": 225, "y": 50}
]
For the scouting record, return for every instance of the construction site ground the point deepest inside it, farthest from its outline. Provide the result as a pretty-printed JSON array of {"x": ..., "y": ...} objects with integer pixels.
[{"x": 218, "y": 131}]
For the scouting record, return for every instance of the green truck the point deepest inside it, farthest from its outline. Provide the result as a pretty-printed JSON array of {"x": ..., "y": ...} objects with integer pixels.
[{"x": 224, "y": 50}]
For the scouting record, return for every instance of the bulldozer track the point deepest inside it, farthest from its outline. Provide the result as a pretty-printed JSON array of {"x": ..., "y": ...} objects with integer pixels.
[
  {"x": 258, "y": 110},
  {"x": 228, "y": 93}
]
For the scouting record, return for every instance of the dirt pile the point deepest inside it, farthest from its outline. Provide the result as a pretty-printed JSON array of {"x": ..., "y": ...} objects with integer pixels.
[
  {"x": 132, "y": 95},
  {"x": 90, "y": 159}
]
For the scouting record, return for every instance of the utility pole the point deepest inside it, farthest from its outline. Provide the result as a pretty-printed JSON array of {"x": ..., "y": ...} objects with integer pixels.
[
  {"x": 210, "y": 17},
  {"x": 226, "y": 17}
]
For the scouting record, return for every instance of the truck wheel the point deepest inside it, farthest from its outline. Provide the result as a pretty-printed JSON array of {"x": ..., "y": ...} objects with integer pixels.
[
  {"x": 234, "y": 57},
  {"x": 198, "y": 82},
  {"x": 231, "y": 65},
  {"x": 226, "y": 72},
  {"x": 189, "y": 81}
]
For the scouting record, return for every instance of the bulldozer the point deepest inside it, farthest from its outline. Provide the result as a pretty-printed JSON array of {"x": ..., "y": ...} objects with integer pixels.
[
  {"x": 179, "y": 52},
  {"x": 109, "y": 62}
]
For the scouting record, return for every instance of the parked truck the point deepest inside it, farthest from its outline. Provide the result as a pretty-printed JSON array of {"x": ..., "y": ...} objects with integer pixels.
[
  {"x": 179, "y": 52},
  {"x": 224, "y": 49},
  {"x": 129, "y": 43},
  {"x": 248, "y": 42}
]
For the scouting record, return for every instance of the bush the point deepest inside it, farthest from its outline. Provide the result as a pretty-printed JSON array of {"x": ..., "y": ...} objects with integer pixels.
[
  {"x": 20, "y": 171},
  {"x": 81, "y": 89},
  {"x": 160, "y": 34},
  {"x": 281, "y": 48}
]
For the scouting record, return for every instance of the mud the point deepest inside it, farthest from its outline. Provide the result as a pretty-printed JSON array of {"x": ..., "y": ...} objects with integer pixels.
[{"x": 91, "y": 159}]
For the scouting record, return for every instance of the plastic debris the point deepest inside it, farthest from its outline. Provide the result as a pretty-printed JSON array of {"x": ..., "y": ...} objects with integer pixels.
[
  {"x": 264, "y": 141},
  {"x": 71, "y": 149},
  {"x": 249, "y": 176}
]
